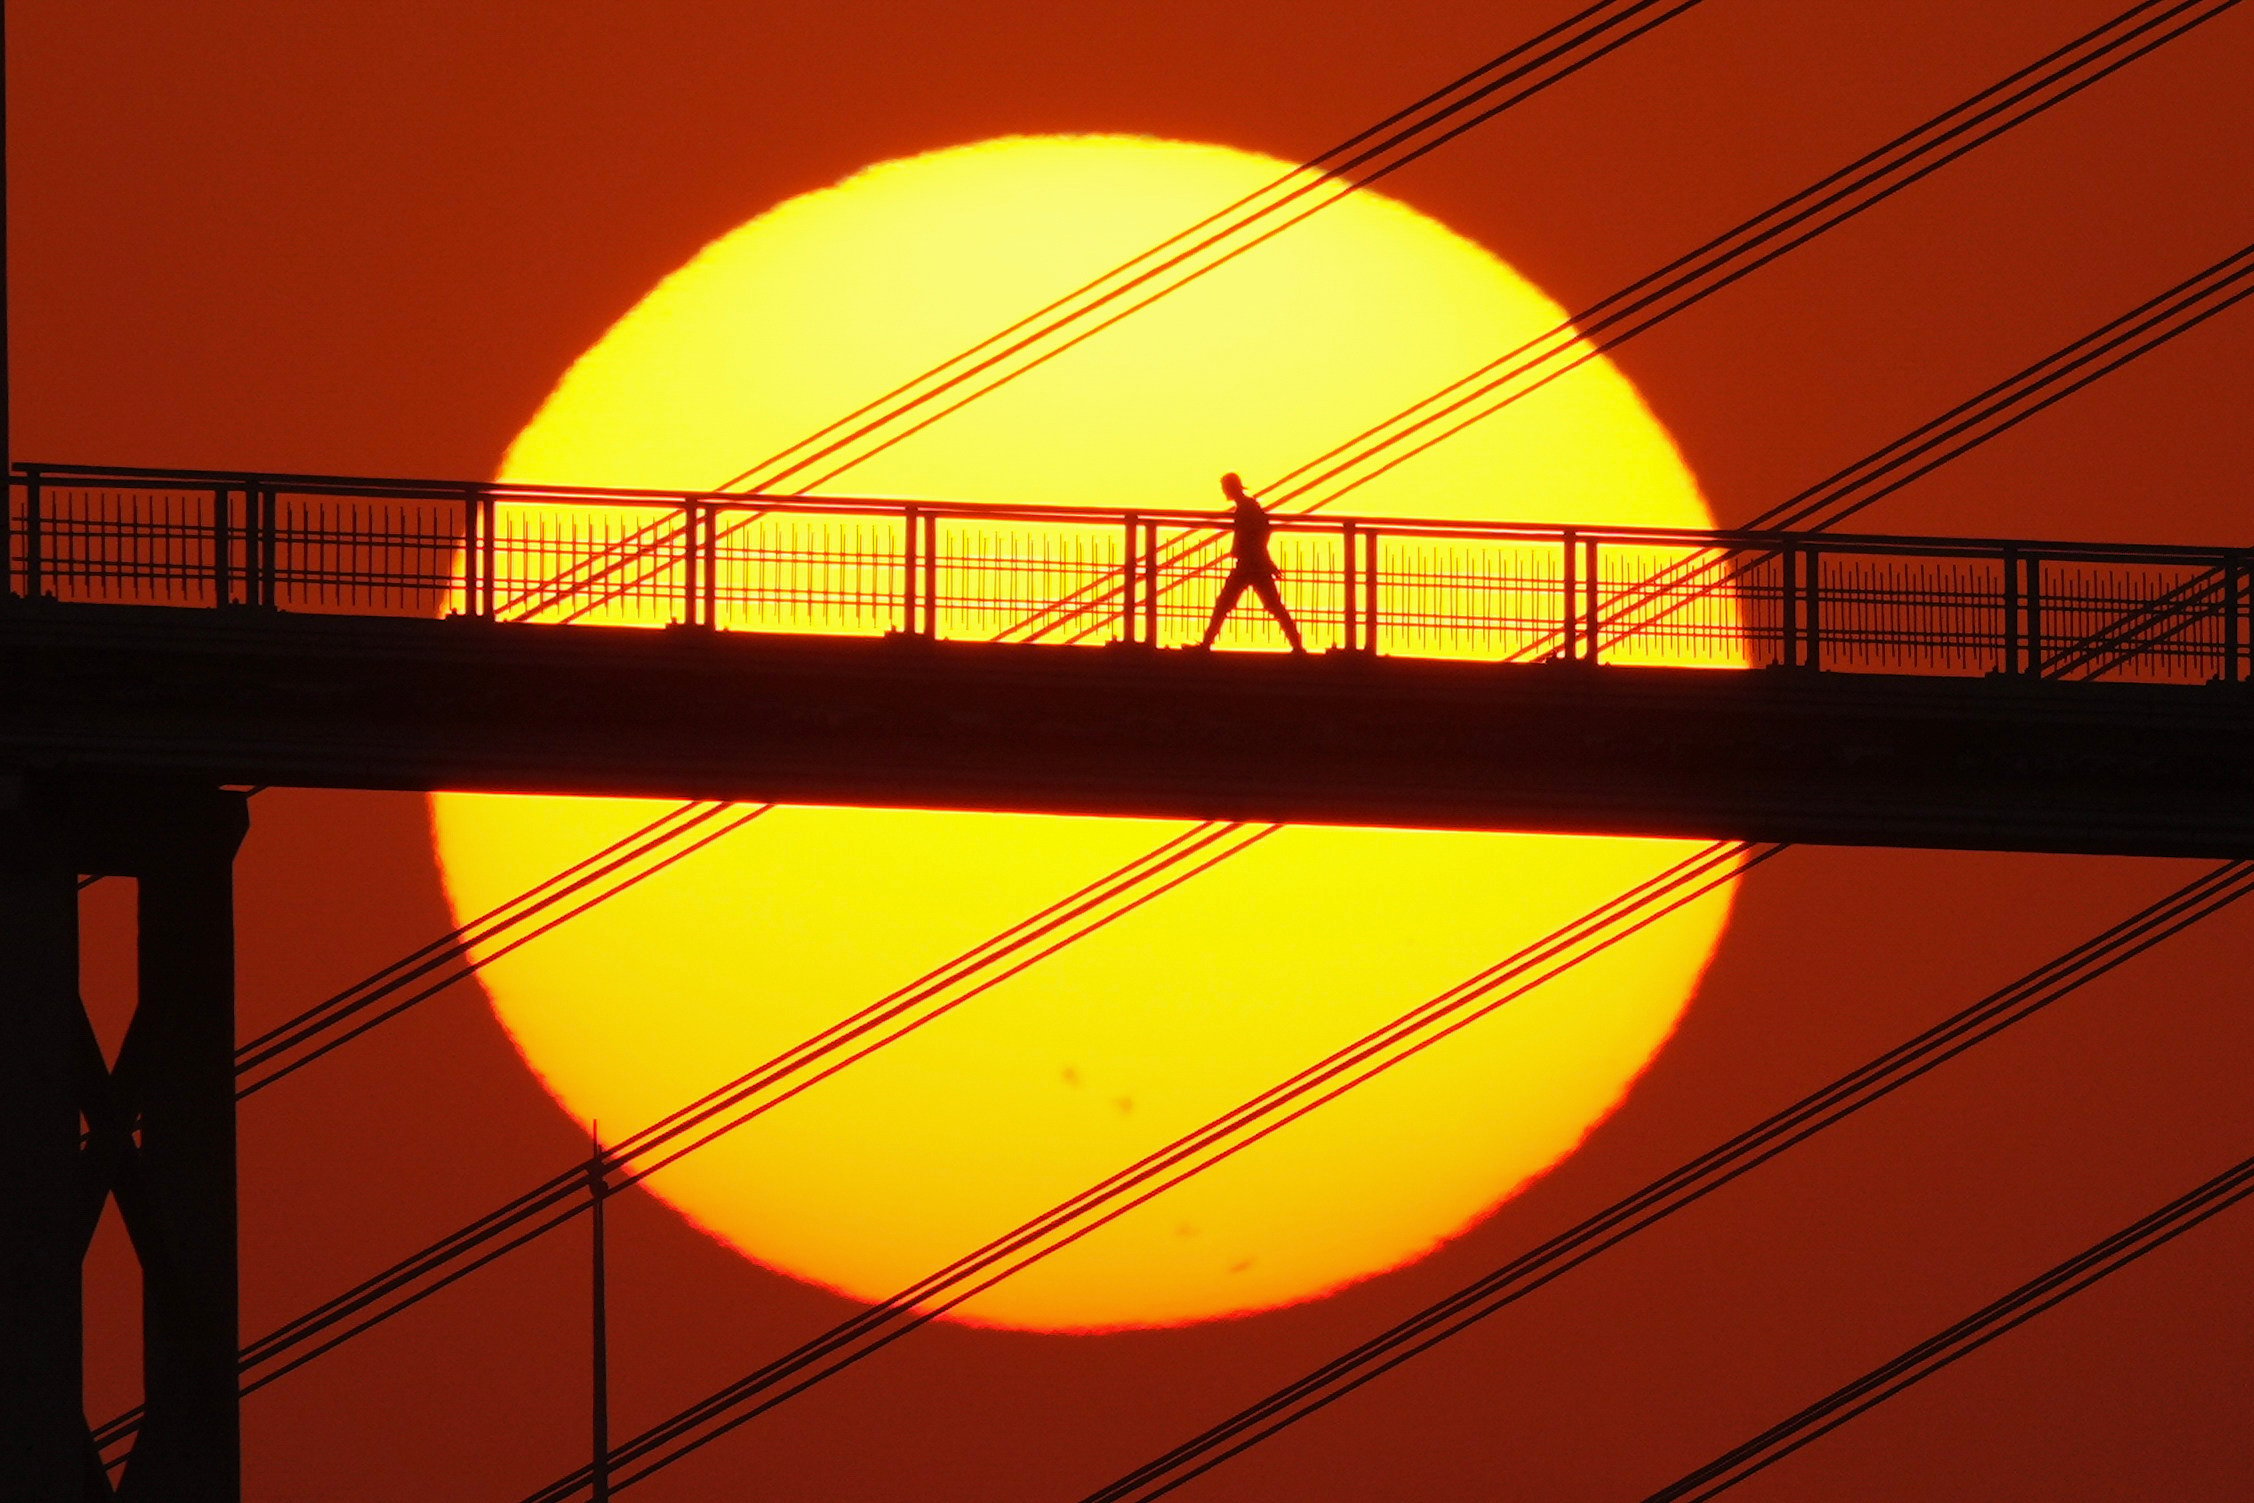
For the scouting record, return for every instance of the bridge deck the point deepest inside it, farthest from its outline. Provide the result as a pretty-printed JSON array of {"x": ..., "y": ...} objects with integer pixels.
[{"x": 2000, "y": 762}]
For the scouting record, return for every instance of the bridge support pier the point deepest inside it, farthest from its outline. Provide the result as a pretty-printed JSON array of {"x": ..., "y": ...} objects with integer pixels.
[{"x": 155, "y": 1130}]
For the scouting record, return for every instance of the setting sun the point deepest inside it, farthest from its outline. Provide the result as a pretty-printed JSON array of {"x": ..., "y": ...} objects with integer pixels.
[{"x": 1213, "y": 992}]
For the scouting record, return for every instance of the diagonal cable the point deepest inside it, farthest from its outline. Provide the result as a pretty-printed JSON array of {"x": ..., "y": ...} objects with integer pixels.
[
  {"x": 1709, "y": 869},
  {"x": 1362, "y": 160},
  {"x": 2024, "y": 95},
  {"x": 2000, "y": 408},
  {"x": 2141, "y": 1237},
  {"x": 1682, "y": 1187},
  {"x": 1719, "y": 263},
  {"x": 288, "y": 1046},
  {"x": 1131, "y": 886}
]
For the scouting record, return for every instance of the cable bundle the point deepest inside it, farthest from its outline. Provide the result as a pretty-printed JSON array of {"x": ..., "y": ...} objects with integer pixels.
[
  {"x": 1928, "y": 1357},
  {"x": 1487, "y": 1295},
  {"x": 1698, "y": 274},
  {"x": 1705, "y": 871}
]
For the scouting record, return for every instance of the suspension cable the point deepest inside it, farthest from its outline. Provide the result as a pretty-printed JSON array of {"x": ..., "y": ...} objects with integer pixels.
[
  {"x": 1680, "y": 1188},
  {"x": 2211, "y": 8},
  {"x": 2146, "y": 1235},
  {"x": 469, "y": 947},
  {"x": 1705, "y": 871},
  {"x": 1844, "y": 493},
  {"x": 1965, "y": 427},
  {"x": 1129, "y": 887},
  {"x": 1892, "y": 460},
  {"x": 1361, "y": 160},
  {"x": 1364, "y": 159},
  {"x": 2022, "y": 96},
  {"x": 1724, "y": 260}
]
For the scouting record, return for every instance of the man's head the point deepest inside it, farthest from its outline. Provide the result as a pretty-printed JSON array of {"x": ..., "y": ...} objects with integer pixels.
[{"x": 1232, "y": 487}]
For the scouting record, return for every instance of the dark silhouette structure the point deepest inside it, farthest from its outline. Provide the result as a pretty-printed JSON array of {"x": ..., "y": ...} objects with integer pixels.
[
  {"x": 165, "y": 635},
  {"x": 1988, "y": 762},
  {"x": 158, "y": 1134},
  {"x": 1251, "y": 567}
]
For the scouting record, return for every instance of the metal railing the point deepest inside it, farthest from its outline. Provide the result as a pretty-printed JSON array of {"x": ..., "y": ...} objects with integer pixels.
[{"x": 866, "y": 565}]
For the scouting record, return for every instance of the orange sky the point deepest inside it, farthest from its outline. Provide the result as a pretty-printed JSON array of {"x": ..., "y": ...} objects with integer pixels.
[{"x": 368, "y": 238}]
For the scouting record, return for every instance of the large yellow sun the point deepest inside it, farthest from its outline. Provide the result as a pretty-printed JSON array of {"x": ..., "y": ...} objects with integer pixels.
[{"x": 1200, "y": 1000}]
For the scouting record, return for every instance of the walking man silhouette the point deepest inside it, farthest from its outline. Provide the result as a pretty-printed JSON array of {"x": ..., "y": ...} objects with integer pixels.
[{"x": 1253, "y": 569}]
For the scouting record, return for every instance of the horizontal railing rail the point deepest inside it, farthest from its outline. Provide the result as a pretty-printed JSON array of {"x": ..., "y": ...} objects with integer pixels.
[{"x": 1437, "y": 587}]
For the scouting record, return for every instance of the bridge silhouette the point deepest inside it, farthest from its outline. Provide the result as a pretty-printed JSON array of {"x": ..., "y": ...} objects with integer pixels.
[
  {"x": 180, "y": 631},
  {"x": 1766, "y": 685},
  {"x": 175, "y": 635}
]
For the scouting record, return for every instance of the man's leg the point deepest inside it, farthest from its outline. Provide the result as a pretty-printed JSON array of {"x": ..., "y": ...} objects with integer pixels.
[
  {"x": 1224, "y": 603},
  {"x": 1273, "y": 599}
]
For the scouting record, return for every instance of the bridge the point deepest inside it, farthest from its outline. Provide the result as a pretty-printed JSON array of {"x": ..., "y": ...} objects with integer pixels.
[
  {"x": 248, "y": 629},
  {"x": 169, "y": 636}
]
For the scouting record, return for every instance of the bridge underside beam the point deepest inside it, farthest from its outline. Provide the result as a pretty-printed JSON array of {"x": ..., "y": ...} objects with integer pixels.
[{"x": 249, "y": 696}]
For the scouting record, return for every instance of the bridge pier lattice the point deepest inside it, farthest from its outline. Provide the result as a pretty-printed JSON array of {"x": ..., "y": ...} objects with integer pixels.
[{"x": 155, "y": 1131}]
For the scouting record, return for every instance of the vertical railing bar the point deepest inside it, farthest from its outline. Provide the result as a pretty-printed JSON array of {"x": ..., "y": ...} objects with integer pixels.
[
  {"x": 489, "y": 565},
  {"x": 275, "y": 551},
  {"x": 2230, "y": 618},
  {"x": 1593, "y": 594},
  {"x": 473, "y": 554},
  {"x": 931, "y": 576},
  {"x": 2011, "y": 610},
  {"x": 8, "y": 537},
  {"x": 2034, "y": 616},
  {"x": 1815, "y": 598},
  {"x": 911, "y": 524},
  {"x": 689, "y": 595},
  {"x": 1789, "y": 595},
  {"x": 1129, "y": 566},
  {"x": 1151, "y": 576},
  {"x": 1349, "y": 626},
  {"x": 1570, "y": 587},
  {"x": 259, "y": 501},
  {"x": 34, "y": 534},
  {"x": 1371, "y": 619},
  {"x": 222, "y": 546},
  {"x": 710, "y": 543}
]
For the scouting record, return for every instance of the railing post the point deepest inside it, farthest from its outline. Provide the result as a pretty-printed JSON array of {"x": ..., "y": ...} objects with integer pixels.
[
  {"x": 1150, "y": 583},
  {"x": 34, "y": 537},
  {"x": 8, "y": 536},
  {"x": 1370, "y": 616},
  {"x": 2232, "y": 592},
  {"x": 489, "y": 554},
  {"x": 1788, "y": 596},
  {"x": 690, "y": 594},
  {"x": 222, "y": 546},
  {"x": 266, "y": 525},
  {"x": 2011, "y": 611},
  {"x": 1815, "y": 597},
  {"x": 1589, "y": 640},
  {"x": 1570, "y": 588},
  {"x": 1129, "y": 567},
  {"x": 911, "y": 526},
  {"x": 1349, "y": 617},
  {"x": 711, "y": 547},
  {"x": 473, "y": 552},
  {"x": 2034, "y": 617},
  {"x": 931, "y": 576}
]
